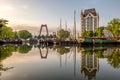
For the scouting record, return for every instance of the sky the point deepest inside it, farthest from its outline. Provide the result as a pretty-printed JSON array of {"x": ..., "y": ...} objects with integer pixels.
[{"x": 30, "y": 14}]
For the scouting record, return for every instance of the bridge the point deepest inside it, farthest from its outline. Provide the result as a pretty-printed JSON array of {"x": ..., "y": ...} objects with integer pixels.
[{"x": 44, "y": 26}]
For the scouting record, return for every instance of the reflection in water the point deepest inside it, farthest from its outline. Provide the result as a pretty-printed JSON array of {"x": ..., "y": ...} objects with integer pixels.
[
  {"x": 63, "y": 50},
  {"x": 5, "y": 51},
  {"x": 114, "y": 58},
  {"x": 42, "y": 55},
  {"x": 74, "y": 52},
  {"x": 89, "y": 65},
  {"x": 23, "y": 49},
  {"x": 87, "y": 69}
]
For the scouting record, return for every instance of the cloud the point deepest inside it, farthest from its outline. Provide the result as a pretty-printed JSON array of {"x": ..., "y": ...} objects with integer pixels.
[
  {"x": 25, "y": 6},
  {"x": 35, "y": 30},
  {"x": 6, "y": 8}
]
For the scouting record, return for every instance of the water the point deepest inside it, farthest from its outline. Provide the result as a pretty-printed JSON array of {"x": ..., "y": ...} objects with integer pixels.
[{"x": 59, "y": 63}]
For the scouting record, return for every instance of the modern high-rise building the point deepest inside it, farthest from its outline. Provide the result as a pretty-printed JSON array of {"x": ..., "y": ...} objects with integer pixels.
[{"x": 89, "y": 20}]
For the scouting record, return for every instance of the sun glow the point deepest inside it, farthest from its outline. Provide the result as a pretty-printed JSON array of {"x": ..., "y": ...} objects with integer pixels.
[{"x": 6, "y": 8}]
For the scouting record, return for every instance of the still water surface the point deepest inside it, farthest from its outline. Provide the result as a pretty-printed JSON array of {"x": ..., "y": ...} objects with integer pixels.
[{"x": 59, "y": 63}]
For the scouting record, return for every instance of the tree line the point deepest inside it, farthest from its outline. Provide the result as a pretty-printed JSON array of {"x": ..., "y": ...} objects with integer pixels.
[
  {"x": 6, "y": 32},
  {"x": 113, "y": 27}
]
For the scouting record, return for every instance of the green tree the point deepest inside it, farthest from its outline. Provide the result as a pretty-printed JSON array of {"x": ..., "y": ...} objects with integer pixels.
[
  {"x": 38, "y": 36},
  {"x": 6, "y": 32},
  {"x": 54, "y": 36},
  {"x": 43, "y": 36},
  {"x": 87, "y": 34},
  {"x": 50, "y": 36},
  {"x": 114, "y": 27},
  {"x": 99, "y": 32},
  {"x": 3, "y": 22},
  {"x": 24, "y": 34},
  {"x": 46, "y": 36},
  {"x": 63, "y": 34},
  {"x": 16, "y": 35}
]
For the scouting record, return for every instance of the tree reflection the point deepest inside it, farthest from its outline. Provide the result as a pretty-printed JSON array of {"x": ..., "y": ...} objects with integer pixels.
[
  {"x": 24, "y": 48},
  {"x": 62, "y": 50},
  {"x": 114, "y": 58},
  {"x": 2, "y": 68},
  {"x": 5, "y": 51},
  {"x": 99, "y": 53}
]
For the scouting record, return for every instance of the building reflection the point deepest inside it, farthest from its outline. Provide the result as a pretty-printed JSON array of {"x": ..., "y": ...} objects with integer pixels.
[
  {"x": 89, "y": 65},
  {"x": 89, "y": 58}
]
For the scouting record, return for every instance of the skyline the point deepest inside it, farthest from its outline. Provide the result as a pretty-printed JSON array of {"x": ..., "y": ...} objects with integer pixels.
[{"x": 30, "y": 14}]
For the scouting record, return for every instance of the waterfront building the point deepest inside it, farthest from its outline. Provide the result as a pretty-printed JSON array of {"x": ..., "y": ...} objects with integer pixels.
[{"x": 89, "y": 20}]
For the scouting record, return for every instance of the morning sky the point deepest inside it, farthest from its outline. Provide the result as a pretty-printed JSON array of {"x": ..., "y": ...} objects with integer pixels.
[{"x": 30, "y": 14}]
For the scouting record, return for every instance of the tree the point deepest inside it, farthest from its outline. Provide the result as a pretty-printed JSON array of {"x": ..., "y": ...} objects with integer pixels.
[
  {"x": 16, "y": 35},
  {"x": 63, "y": 34},
  {"x": 99, "y": 32},
  {"x": 6, "y": 32},
  {"x": 43, "y": 36},
  {"x": 54, "y": 36},
  {"x": 3, "y": 22},
  {"x": 87, "y": 34},
  {"x": 24, "y": 34},
  {"x": 50, "y": 36},
  {"x": 114, "y": 27},
  {"x": 38, "y": 36}
]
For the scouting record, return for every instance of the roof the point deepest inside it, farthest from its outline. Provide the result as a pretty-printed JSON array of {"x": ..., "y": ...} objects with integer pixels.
[{"x": 92, "y": 11}]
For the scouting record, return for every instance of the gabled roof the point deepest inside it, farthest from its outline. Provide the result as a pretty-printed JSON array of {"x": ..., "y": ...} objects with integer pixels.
[{"x": 87, "y": 11}]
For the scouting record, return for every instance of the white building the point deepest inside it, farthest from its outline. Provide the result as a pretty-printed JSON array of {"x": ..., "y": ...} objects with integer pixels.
[{"x": 89, "y": 20}]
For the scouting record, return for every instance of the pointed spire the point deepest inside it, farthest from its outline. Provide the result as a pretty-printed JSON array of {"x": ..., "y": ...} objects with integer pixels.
[{"x": 81, "y": 12}]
